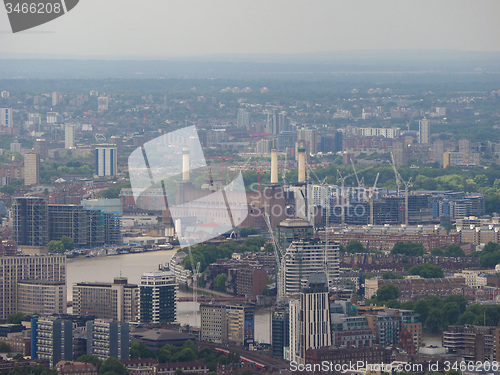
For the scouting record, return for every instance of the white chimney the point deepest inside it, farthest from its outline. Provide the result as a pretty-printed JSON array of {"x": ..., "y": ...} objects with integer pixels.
[{"x": 185, "y": 164}]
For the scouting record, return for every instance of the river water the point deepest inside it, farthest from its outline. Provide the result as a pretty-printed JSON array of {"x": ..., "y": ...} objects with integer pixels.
[{"x": 132, "y": 266}]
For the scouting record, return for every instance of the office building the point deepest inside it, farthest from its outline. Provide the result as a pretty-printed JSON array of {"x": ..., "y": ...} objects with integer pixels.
[
  {"x": 106, "y": 338},
  {"x": 351, "y": 331},
  {"x": 293, "y": 229},
  {"x": 303, "y": 258},
  {"x": 473, "y": 343},
  {"x": 280, "y": 331},
  {"x": 30, "y": 215},
  {"x": 41, "y": 297},
  {"x": 14, "y": 269},
  {"x": 231, "y": 324},
  {"x": 310, "y": 318},
  {"x": 106, "y": 160},
  {"x": 31, "y": 169},
  {"x": 423, "y": 131},
  {"x": 118, "y": 301},
  {"x": 158, "y": 297},
  {"x": 69, "y": 136},
  {"x": 6, "y": 119}
]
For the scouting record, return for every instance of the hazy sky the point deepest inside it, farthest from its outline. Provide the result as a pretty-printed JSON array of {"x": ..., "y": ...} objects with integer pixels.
[{"x": 168, "y": 28}]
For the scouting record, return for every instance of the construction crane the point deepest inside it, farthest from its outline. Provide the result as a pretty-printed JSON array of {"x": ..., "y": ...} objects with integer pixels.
[
  {"x": 360, "y": 280},
  {"x": 408, "y": 184},
  {"x": 411, "y": 118},
  {"x": 342, "y": 190},
  {"x": 196, "y": 273},
  {"x": 396, "y": 174},
  {"x": 372, "y": 197},
  {"x": 278, "y": 255}
]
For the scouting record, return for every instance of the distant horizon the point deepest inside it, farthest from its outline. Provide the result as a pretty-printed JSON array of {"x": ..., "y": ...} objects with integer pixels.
[{"x": 257, "y": 57}]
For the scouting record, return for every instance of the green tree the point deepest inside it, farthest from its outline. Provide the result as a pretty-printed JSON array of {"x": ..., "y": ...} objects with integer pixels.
[
  {"x": 220, "y": 282},
  {"x": 387, "y": 292},
  {"x": 139, "y": 350},
  {"x": 55, "y": 246},
  {"x": 355, "y": 247},
  {"x": 434, "y": 320},
  {"x": 68, "y": 243},
  {"x": 408, "y": 248},
  {"x": 16, "y": 318},
  {"x": 427, "y": 271},
  {"x": 113, "y": 365},
  {"x": 4, "y": 347},
  {"x": 454, "y": 250},
  {"x": 437, "y": 252},
  {"x": 86, "y": 358}
]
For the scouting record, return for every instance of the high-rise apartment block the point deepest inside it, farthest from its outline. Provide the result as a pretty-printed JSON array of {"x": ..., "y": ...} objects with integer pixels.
[
  {"x": 303, "y": 258},
  {"x": 31, "y": 169},
  {"x": 107, "y": 338},
  {"x": 52, "y": 339},
  {"x": 118, "y": 301},
  {"x": 158, "y": 297},
  {"x": 69, "y": 136},
  {"x": 19, "y": 269},
  {"x": 106, "y": 160},
  {"x": 310, "y": 318},
  {"x": 423, "y": 131},
  {"x": 6, "y": 119}
]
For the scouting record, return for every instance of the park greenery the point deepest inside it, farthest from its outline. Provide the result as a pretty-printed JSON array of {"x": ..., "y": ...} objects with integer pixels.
[
  {"x": 208, "y": 254},
  {"x": 185, "y": 353},
  {"x": 65, "y": 243},
  {"x": 438, "y": 313},
  {"x": 111, "y": 366}
]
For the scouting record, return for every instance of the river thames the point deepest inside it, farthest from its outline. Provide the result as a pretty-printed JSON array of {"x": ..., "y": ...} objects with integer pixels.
[{"x": 132, "y": 266}]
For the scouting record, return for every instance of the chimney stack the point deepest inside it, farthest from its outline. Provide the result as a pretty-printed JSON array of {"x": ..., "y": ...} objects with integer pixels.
[
  {"x": 302, "y": 165},
  {"x": 274, "y": 166},
  {"x": 185, "y": 164}
]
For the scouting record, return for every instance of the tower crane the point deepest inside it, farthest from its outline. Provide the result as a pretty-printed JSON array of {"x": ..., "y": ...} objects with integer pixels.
[
  {"x": 279, "y": 255},
  {"x": 372, "y": 197},
  {"x": 396, "y": 173},
  {"x": 196, "y": 273},
  {"x": 342, "y": 190},
  {"x": 408, "y": 184}
]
